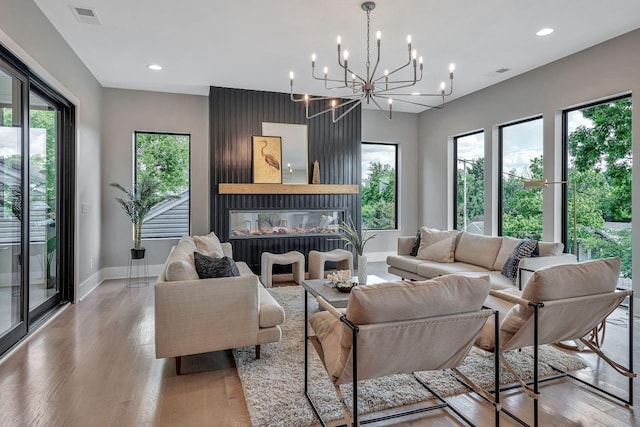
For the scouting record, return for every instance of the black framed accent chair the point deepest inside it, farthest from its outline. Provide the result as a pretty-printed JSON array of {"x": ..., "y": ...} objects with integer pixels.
[
  {"x": 559, "y": 303},
  {"x": 401, "y": 328}
]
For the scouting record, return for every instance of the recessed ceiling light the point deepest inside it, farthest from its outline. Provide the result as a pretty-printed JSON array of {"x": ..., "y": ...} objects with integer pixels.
[
  {"x": 155, "y": 67},
  {"x": 544, "y": 32}
]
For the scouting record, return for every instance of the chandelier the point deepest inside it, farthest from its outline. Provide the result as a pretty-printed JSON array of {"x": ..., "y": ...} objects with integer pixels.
[{"x": 371, "y": 87}]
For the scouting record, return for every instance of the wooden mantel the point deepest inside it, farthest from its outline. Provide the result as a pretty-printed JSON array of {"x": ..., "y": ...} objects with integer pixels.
[{"x": 287, "y": 189}]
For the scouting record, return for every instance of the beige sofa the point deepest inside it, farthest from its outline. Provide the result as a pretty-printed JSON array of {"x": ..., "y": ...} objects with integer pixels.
[
  {"x": 475, "y": 253},
  {"x": 194, "y": 315}
]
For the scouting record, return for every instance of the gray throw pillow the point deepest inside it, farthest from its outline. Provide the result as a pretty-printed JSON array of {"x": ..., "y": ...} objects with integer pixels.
[
  {"x": 416, "y": 244},
  {"x": 524, "y": 249},
  {"x": 209, "y": 267}
]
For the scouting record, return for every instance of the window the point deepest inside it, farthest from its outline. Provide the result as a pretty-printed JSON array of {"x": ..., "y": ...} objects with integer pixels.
[
  {"x": 379, "y": 188},
  {"x": 165, "y": 157},
  {"x": 520, "y": 160},
  {"x": 598, "y": 161},
  {"x": 469, "y": 182}
]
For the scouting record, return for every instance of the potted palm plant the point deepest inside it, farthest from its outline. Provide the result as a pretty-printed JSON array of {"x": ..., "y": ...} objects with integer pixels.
[
  {"x": 136, "y": 204},
  {"x": 352, "y": 237}
]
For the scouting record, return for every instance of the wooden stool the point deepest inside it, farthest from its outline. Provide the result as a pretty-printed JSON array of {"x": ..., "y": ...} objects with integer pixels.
[
  {"x": 268, "y": 260},
  {"x": 344, "y": 260}
]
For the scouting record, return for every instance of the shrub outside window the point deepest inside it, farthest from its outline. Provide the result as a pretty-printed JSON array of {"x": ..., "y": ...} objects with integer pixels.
[{"x": 379, "y": 186}]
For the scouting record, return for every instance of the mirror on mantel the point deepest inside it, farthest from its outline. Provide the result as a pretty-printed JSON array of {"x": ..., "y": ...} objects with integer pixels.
[{"x": 294, "y": 150}]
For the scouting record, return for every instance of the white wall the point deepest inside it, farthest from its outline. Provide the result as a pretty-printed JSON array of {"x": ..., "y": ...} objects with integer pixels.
[
  {"x": 605, "y": 70},
  {"x": 403, "y": 130},
  {"x": 31, "y": 37},
  {"x": 127, "y": 111}
]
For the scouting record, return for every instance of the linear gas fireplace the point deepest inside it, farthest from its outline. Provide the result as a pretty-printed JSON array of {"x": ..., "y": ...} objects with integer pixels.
[{"x": 284, "y": 223}]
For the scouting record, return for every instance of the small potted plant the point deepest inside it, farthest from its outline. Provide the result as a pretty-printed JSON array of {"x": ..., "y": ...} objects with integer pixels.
[
  {"x": 136, "y": 204},
  {"x": 352, "y": 237}
]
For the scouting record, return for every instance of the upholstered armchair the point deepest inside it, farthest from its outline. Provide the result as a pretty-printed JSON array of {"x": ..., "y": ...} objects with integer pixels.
[
  {"x": 400, "y": 327},
  {"x": 559, "y": 303}
]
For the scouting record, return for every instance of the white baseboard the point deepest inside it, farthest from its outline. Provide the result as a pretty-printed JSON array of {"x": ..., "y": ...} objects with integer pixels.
[
  {"x": 109, "y": 273},
  {"x": 86, "y": 287},
  {"x": 378, "y": 256}
]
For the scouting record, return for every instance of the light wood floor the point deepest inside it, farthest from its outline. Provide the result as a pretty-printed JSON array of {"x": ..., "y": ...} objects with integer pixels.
[{"x": 94, "y": 365}]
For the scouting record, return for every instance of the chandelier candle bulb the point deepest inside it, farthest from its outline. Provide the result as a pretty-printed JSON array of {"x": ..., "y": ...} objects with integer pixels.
[
  {"x": 409, "y": 42},
  {"x": 313, "y": 60}
]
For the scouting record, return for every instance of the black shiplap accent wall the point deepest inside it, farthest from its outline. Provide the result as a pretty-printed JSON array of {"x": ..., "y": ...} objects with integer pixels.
[{"x": 235, "y": 116}]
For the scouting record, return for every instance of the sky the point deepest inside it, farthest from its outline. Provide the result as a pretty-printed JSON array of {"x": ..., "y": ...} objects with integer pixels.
[
  {"x": 382, "y": 153},
  {"x": 521, "y": 143},
  {"x": 9, "y": 141}
]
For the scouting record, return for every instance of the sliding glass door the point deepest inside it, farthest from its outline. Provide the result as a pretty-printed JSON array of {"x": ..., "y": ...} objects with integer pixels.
[{"x": 37, "y": 160}]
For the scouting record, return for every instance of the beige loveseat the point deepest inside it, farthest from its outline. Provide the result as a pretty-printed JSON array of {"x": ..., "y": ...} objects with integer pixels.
[
  {"x": 194, "y": 315},
  {"x": 475, "y": 253}
]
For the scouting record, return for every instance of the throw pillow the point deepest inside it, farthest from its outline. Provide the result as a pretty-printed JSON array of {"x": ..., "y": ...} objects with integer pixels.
[
  {"x": 524, "y": 249},
  {"x": 209, "y": 244},
  {"x": 437, "y": 245},
  {"x": 210, "y": 267},
  {"x": 416, "y": 245}
]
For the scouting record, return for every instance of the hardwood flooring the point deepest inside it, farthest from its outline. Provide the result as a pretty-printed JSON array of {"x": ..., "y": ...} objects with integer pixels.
[{"x": 94, "y": 364}]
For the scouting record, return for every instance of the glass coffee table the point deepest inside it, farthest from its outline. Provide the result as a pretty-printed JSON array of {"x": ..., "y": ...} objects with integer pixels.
[{"x": 324, "y": 288}]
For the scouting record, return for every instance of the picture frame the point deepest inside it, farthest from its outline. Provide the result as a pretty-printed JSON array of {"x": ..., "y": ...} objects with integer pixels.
[
  {"x": 294, "y": 143},
  {"x": 267, "y": 159}
]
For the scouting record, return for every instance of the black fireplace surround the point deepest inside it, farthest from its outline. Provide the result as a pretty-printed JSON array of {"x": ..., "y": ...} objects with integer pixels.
[{"x": 235, "y": 116}]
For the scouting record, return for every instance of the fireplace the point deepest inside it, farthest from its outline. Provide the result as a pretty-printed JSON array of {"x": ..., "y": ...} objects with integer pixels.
[{"x": 268, "y": 223}]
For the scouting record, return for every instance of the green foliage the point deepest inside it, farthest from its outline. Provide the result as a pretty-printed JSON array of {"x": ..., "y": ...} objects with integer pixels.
[
  {"x": 475, "y": 193},
  {"x": 605, "y": 148},
  {"x": 43, "y": 169},
  {"x": 352, "y": 237},
  {"x": 164, "y": 158},
  {"x": 522, "y": 207},
  {"x": 379, "y": 198},
  {"x": 138, "y": 201}
]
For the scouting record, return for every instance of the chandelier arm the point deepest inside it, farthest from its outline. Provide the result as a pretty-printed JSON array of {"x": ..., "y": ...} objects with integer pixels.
[
  {"x": 402, "y": 67},
  {"x": 323, "y": 98},
  {"x": 344, "y": 104},
  {"x": 388, "y": 116},
  {"x": 410, "y": 83},
  {"x": 355, "y": 74},
  {"x": 375, "y": 67},
  {"x": 438, "y": 107}
]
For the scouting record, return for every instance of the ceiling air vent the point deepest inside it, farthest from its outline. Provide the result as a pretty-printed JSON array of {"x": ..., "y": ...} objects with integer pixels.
[
  {"x": 86, "y": 15},
  {"x": 498, "y": 72}
]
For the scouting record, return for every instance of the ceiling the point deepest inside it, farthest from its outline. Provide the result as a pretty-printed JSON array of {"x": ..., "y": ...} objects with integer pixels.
[{"x": 254, "y": 44}]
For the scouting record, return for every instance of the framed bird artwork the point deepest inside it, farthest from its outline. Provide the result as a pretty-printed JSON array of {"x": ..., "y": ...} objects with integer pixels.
[{"x": 267, "y": 160}]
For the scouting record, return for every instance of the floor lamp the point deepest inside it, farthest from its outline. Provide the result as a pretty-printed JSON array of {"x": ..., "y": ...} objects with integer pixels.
[{"x": 544, "y": 183}]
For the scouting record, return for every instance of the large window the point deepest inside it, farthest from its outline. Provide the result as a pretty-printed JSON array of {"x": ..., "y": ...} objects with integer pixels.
[
  {"x": 469, "y": 182},
  {"x": 165, "y": 157},
  {"x": 379, "y": 188},
  {"x": 598, "y": 163},
  {"x": 521, "y": 160}
]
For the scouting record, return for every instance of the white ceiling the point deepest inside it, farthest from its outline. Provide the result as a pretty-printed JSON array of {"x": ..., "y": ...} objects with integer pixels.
[{"x": 253, "y": 44}]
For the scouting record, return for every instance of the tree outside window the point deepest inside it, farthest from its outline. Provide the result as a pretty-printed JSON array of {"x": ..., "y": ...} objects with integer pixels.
[
  {"x": 379, "y": 189},
  {"x": 165, "y": 157},
  {"x": 522, "y": 146},
  {"x": 599, "y": 162},
  {"x": 469, "y": 186}
]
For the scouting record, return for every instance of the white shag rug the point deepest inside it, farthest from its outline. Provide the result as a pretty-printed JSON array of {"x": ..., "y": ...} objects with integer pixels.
[{"x": 274, "y": 384}]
